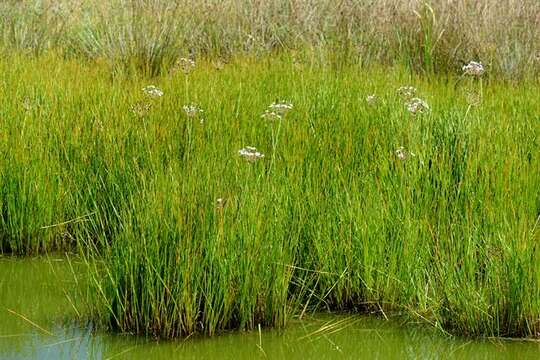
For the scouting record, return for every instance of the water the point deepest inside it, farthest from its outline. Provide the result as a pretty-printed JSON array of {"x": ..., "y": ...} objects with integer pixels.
[{"x": 38, "y": 313}]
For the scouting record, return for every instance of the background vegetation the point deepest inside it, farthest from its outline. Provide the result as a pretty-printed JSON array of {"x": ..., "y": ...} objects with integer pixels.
[{"x": 150, "y": 35}]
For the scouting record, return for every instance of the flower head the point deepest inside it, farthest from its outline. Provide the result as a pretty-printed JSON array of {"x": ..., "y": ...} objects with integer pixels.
[
  {"x": 277, "y": 110},
  {"x": 403, "y": 154},
  {"x": 250, "y": 154},
  {"x": 371, "y": 99},
  {"x": 473, "y": 68},
  {"x": 280, "y": 107},
  {"x": 186, "y": 65},
  {"x": 27, "y": 103},
  {"x": 417, "y": 105},
  {"x": 406, "y": 92},
  {"x": 271, "y": 115},
  {"x": 152, "y": 91},
  {"x": 192, "y": 110},
  {"x": 220, "y": 203}
]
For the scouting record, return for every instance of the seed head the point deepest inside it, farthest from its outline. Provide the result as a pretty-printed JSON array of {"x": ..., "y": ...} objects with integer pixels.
[
  {"x": 250, "y": 154},
  {"x": 473, "y": 68}
]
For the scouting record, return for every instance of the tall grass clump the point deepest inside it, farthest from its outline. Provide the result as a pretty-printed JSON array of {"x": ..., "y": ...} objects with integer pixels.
[
  {"x": 133, "y": 36},
  {"x": 32, "y": 26},
  {"x": 150, "y": 35},
  {"x": 243, "y": 194}
]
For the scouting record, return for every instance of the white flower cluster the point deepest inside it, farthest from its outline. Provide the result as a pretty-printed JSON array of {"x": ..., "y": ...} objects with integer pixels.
[
  {"x": 250, "y": 154},
  {"x": 192, "y": 110},
  {"x": 403, "y": 154},
  {"x": 281, "y": 108},
  {"x": 406, "y": 91},
  {"x": 271, "y": 115},
  {"x": 371, "y": 99},
  {"x": 277, "y": 110},
  {"x": 27, "y": 103},
  {"x": 473, "y": 68},
  {"x": 220, "y": 203},
  {"x": 417, "y": 105},
  {"x": 152, "y": 91}
]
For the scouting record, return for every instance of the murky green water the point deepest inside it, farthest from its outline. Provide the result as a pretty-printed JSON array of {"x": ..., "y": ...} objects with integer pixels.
[{"x": 37, "y": 309}]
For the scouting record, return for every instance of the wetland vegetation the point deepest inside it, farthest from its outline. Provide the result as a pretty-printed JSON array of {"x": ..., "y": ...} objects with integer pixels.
[{"x": 218, "y": 187}]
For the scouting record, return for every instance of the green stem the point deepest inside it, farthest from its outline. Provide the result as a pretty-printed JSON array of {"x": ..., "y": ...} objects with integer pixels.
[{"x": 275, "y": 139}]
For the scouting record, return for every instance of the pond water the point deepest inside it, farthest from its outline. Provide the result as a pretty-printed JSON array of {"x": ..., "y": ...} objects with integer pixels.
[{"x": 38, "y": 321}]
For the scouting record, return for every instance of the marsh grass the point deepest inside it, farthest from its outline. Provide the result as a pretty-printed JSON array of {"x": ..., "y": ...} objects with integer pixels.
[{"x": 329, "y": 219}]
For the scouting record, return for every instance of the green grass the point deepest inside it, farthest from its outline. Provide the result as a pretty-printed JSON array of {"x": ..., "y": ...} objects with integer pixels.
[{"x": 330, "y": 218}]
